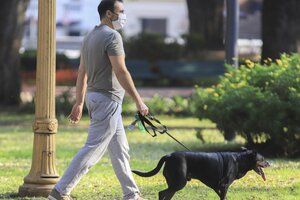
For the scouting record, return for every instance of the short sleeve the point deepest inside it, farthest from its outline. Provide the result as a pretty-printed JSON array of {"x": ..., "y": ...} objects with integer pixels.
[
  {"x": 114, "y": 45},
  {"x": 82, "y": 49}
]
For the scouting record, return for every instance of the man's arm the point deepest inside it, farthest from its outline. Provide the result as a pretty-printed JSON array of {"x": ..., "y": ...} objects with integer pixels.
[
  {"x": 125, "y": 79},
  {"x": 76, "y": 112}
]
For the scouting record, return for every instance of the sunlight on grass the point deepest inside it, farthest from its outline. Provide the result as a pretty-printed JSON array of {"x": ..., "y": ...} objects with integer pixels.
[{"x": 283, "y": 177}]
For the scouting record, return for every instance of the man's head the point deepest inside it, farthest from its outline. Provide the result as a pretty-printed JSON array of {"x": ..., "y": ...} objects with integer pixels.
[
  {"x": 111, "y": 13},
  {"x": 109, "y": 8}
]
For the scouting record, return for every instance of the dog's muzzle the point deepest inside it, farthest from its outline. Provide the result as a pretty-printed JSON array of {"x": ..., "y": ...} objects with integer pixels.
[{"x": 259, "y": 168}]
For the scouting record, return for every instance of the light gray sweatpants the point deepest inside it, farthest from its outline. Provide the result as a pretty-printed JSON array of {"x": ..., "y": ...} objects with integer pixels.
[{"x": 106, "y": 132}]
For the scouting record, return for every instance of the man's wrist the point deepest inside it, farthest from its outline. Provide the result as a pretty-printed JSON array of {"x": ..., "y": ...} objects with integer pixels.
[
  {"x": 79, "y": 103},
  {"x": 138, "y": 101}
]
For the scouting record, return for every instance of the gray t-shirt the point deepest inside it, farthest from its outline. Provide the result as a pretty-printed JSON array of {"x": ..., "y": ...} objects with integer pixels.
[{"x": 100, "y": 43}]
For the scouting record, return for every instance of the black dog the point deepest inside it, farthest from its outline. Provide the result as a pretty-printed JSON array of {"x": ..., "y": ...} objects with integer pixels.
[{"x": 216, "y": 170}]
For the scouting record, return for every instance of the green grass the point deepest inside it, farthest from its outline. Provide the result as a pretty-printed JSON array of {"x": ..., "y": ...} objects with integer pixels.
[{"x": 283, "y": 177}]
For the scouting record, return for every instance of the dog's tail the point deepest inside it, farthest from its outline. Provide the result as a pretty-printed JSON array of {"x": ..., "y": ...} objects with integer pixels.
[{"x": 155, "y": 170}]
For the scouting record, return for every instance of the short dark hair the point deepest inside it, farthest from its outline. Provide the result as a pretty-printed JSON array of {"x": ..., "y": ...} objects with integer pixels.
[{"x": 106, "y": 5}]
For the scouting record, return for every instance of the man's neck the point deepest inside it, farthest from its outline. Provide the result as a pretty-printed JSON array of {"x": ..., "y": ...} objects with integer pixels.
[{"x": 107, "y": 22}]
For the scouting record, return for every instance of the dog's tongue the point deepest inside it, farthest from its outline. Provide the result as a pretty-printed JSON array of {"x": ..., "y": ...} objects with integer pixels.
[{"x": 263, "y": 175}]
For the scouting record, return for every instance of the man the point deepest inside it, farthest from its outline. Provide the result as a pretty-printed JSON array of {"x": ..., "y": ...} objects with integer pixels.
[{"x": 103, "y": 73}]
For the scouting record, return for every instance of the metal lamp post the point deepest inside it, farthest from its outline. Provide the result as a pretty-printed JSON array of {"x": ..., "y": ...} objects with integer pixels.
[
  {"x": 43, "y": 174},
  {"x": 232, "y": 32}
]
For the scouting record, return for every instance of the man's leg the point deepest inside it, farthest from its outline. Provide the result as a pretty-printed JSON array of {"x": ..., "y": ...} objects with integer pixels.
[
  {"x": 104, "y": 113},
  {"x": 118, "y": 151}
]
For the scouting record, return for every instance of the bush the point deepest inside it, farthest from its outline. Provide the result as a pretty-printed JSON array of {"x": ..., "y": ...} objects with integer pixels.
[
  {"x": 28, "y": 61},
  {"x": 64, "y": 103},
  {"x": 158, "y": 105},
  {"x": 261, "y": 102},
  {"x": 128, "y": 106},
  {"x": 181, "y": 106},
  {"x": 193, "y": 44},
  {"x": 152, "y": 47}
]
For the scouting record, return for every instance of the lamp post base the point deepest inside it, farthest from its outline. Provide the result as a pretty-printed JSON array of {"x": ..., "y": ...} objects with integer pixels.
[
  {"x": 37, "y": 186},
  {"x": 35, "y": 190}
]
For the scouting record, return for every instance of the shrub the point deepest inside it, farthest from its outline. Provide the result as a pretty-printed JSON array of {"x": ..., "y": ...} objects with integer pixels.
[
  {"x": 193, "y": 44},
  {"x": 128, "y": 106},
  {"x": 181, "y": 105},
  {"x": 159, "y": 105},
  {"x": 28, "y": 61},
  {"x": 261, "y": 102},
  {"x": 152, "y": 47},
  {"x": 64, "y": 103}
]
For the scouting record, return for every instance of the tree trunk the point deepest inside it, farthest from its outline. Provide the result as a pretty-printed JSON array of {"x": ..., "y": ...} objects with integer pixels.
[
  {"x": 12, "y": 14},
  {"x": 206, "y": 19},
  {"x": 280, "y": 27}
]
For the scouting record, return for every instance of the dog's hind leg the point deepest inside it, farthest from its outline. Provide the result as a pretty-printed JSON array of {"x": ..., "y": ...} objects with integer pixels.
[
  {"x": 166, "y": 194},
  {"x": 175, "y": 177},
  {"x": 174, "y": 185}
]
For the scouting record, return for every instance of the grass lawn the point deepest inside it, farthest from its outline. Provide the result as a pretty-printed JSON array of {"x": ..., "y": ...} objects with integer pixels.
[{"x": 283, "y": 177}]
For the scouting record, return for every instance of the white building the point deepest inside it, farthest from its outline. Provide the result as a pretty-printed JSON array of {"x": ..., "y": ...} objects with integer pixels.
[
  {"x": 169, "y": 17},
  {"x": 77, "y": 17}
]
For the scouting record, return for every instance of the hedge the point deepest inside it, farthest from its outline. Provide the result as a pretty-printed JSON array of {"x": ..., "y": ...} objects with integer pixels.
[{"x": 259, "y": 101}]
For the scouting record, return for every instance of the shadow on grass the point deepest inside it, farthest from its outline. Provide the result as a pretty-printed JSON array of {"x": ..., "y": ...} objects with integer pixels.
[
  {"x": 16, "y": 196},
  {"x": 9, "y": 196}
]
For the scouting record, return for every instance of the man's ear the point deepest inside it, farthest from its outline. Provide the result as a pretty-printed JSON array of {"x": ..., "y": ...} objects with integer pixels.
[{"x": 108, "y": 13}]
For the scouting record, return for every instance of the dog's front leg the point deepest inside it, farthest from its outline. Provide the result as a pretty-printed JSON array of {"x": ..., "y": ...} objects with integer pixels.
[{"x": 223, "y": 192}]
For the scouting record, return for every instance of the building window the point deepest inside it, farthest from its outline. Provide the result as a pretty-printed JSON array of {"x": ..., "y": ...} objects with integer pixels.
[{"x": 157, "y": 25}]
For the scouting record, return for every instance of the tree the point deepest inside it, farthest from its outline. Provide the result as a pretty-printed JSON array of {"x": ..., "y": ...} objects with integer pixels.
[
  {"x": 12, "y": 14},
  {"x": 280, "y": 27},
  {"x": 206, "y": 20}
]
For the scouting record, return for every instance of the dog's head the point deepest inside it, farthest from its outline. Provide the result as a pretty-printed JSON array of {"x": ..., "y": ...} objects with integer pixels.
[{"x": 259, "y": 162}]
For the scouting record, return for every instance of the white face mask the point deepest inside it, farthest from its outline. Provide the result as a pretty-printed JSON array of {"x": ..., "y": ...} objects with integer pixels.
[{"x": 120, "y": 22}]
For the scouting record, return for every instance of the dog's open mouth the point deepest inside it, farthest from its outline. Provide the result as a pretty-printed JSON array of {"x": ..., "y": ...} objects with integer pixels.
[
  {"x": 260, "y": 172},
  {"x": 259, "y": 168}
]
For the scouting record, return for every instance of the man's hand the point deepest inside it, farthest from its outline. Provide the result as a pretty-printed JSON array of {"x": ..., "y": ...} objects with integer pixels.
[
  {"x": 76, "y": 113},
  {"x": 142, "y": 108}
]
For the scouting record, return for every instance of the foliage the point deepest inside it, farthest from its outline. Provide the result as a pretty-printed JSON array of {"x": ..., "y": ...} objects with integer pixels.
[
  {"x": 181, "y": 105},
  {"x": 128, "y": 106},
  {"x": 261, "y": 102},
  {"x": 29, "y": 61},
  {"x": 152, "y": 47},
  {"x": 160, "y": 105},
  {"x": 64, "y": 104},
  {"x": 193, "y": 43},
  {"x": 176, "y": 105}
]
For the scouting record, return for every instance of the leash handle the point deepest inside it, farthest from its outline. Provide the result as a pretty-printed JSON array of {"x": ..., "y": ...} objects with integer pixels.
[{"x": 144, "y": 120}]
